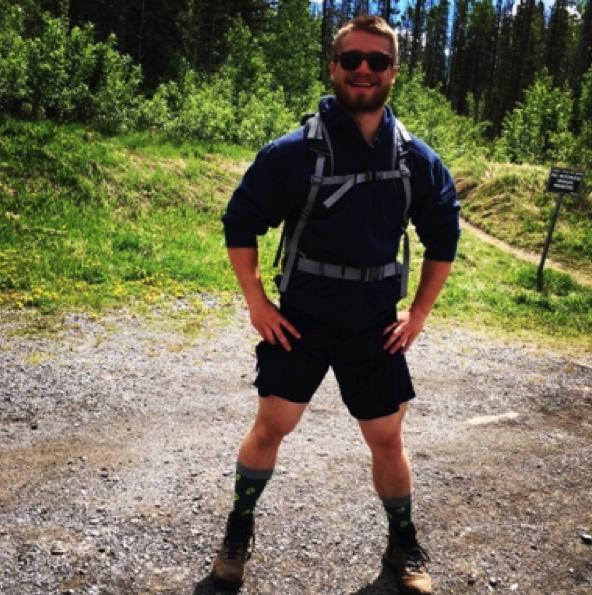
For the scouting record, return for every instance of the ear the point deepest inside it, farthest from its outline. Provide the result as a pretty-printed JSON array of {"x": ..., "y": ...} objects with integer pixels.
[{"x": 332, "y": 67}]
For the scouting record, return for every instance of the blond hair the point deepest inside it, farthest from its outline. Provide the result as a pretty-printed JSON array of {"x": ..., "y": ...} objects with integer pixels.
[{"x": 368, "y": 23}]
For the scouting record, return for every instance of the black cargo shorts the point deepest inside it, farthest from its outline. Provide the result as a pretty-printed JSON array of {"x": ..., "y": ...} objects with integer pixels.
[{"x": 372, "y": 381}]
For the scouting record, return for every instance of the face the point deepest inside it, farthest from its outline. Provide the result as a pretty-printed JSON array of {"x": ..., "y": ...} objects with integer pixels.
[{"x": 362, "y": 90}]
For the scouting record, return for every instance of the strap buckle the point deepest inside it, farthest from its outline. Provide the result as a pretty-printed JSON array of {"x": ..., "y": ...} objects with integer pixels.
[
  {"x": 405, "y": 172},
  {"x": 365, "y": 176},
  {"x": 372, "y": 274}
]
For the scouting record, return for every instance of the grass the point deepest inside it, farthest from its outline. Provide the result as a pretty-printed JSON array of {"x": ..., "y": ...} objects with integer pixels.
[
  {"x": 510, "y": 203},
  {"x": 493, "y": 291},
  {"x": 93, "y": 223}
]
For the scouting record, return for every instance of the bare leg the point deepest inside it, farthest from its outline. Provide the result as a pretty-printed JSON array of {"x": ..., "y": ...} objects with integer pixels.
[
  {"x": 391, "y": 470},
  {"x": 392, "y": 478},
  {"x": 276, "y": 418}
]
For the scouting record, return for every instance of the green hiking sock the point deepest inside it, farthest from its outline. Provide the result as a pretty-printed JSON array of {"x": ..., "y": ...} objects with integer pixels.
[
  {"x": 398, "y": 512},
  {"x": 248, "y": 487}
]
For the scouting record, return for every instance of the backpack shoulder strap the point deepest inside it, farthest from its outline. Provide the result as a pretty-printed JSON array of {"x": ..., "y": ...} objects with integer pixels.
[
  {"x": 400, "y": 152},
  {"x": 318, "y": 138},
  {"x": 402, "y": 138}
]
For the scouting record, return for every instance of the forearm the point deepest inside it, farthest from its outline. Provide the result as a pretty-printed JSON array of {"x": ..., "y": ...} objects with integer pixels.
[
  {"x": 433, "y": 276},
  {"x": 245, "y": 262}
]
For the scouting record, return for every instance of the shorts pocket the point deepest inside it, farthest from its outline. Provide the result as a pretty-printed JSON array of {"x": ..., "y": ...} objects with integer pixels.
[{"x": 262, "y": 351}]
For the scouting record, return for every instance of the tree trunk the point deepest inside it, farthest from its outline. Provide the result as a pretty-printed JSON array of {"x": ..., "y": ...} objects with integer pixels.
[{"x": 417, "y": 32}]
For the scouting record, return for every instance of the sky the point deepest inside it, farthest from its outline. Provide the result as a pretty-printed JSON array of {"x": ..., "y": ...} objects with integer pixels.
[{"x": 547, "y": 3}]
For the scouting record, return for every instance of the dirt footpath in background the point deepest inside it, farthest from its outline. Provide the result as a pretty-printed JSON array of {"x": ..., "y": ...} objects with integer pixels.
[
  {"x": 578, "y": 276},
  {"x": 118, "y": 440}
]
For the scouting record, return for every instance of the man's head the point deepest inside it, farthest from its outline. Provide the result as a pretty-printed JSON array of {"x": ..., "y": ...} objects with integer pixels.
[
  {"x": 367, "y": 23},
  {"x": 364, "y": 63}
]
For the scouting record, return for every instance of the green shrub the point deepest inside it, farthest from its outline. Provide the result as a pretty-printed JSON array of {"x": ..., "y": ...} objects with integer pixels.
[
  {"x": 116, "y": 98},
  {"x": 428, "y": 115},
  {"x": 538, "y": 130},
  {"x": 64, "y": 74},
  {"x": 262, "y": 118},
  {"x": 14, "y": 65},
  {"x": 206, "y": 112}
]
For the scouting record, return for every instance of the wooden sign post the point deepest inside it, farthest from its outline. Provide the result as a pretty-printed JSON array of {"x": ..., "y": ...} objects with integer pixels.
[{"x": 561, "y": 181}]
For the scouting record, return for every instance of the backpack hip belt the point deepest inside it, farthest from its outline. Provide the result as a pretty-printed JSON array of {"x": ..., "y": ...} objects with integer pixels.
[{"x": 337, "y": 271}]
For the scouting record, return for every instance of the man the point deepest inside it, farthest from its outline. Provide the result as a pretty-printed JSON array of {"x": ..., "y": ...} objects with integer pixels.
[{"x": 348, "y": 323}]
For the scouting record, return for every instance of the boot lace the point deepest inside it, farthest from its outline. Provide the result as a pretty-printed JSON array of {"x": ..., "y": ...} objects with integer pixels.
[
  {"x": 240, "y": 538},
  {"x": 415, "y": 555}
]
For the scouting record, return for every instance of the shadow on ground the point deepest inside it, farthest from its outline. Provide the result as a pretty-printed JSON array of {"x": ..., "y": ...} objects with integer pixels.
[
  {"x": 207, "y": 587},
  {"x": 383, "y": 584}
]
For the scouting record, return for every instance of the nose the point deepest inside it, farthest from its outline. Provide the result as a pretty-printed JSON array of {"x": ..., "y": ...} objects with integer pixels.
[{"x": 363, "y": 67}]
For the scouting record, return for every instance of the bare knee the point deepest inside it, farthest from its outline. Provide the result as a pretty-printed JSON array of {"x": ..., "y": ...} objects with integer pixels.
[
  {"x": 384, "y": 436},
  {"x": 391, "y": 444},
  {"x": 275, "y": 420},
  {"x": 269, "y": 433}
]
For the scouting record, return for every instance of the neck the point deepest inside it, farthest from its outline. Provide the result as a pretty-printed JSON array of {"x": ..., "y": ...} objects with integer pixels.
[{"x": 368, "y": 123}]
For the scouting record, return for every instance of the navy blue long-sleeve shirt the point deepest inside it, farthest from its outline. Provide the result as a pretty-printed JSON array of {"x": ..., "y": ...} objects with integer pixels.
[{"x": 362, "y": 229}]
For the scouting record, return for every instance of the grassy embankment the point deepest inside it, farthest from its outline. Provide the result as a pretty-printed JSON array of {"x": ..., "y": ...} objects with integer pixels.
[{"x": 92, "y": 223}]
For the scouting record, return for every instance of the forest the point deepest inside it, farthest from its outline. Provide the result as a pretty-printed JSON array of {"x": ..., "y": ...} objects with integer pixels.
[{"x": 515, "y": 77}]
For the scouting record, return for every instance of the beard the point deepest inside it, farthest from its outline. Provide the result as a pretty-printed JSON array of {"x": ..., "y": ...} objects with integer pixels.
[{"x": 360, "y": 103}]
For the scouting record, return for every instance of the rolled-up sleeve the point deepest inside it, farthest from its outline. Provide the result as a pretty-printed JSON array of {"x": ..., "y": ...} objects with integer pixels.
[
  {"x": 436, "y": 213},
  {"x": 260, "y": 201}
]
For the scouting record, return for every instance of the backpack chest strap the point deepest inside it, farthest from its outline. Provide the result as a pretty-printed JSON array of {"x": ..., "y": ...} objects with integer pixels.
[{"x": 349, "y": 181}]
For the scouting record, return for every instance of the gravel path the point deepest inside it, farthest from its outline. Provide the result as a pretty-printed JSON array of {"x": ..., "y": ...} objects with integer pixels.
[{"x": 118, "y": 439}]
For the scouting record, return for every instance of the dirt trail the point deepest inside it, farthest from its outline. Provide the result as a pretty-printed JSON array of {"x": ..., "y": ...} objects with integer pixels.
[{"x": 531, "y": 257}]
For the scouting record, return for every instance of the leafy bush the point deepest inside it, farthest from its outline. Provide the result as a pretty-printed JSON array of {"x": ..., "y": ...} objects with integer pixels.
[
  {"x": 205, "y": 112},
  {"x": 538, "y": 130},
  {"x": 262, "y": 118},
  {"x": 116, "y": 98},
  {"x": 14, "y": 65},
  {"x": 240, "y": 104},
  {"x": 258, "y": 101},
  {"x": 427, "y": 114},
  {"x": 63, "y": 73}
]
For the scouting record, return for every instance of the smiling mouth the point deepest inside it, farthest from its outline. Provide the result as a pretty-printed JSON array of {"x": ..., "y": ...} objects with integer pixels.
[{"x": 361, "y": 84}]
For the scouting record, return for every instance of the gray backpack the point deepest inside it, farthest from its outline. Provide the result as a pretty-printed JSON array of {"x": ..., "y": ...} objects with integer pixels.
[{"x": 320, "y": 142}]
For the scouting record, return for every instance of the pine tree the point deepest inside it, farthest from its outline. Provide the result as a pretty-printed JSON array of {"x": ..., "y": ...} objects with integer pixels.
[
  {"x": 419, "y": 17},
  {"x": 558, "y": 42},
  {"x": 583, "y": 60},
  {"x": 436, "y": 44},
  {"x": 456, "y": 91}
]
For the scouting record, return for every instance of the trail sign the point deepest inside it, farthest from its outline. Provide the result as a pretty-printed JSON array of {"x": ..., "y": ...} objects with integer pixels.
[
  {"x": 561, "y": 181},
  {"x": 565, "y": 181}
]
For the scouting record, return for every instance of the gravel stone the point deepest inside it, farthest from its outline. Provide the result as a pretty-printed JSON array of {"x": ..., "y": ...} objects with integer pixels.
[{"x": 124, "y": 486}]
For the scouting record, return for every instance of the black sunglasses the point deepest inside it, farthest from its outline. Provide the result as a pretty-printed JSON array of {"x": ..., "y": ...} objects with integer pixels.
[{"x": 377, "y": 61}]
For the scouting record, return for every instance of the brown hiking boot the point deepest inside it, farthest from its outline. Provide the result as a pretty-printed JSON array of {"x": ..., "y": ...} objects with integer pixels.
[
  {"x": 407, "y": 558},
  {"x": 228, "y": 571}
]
